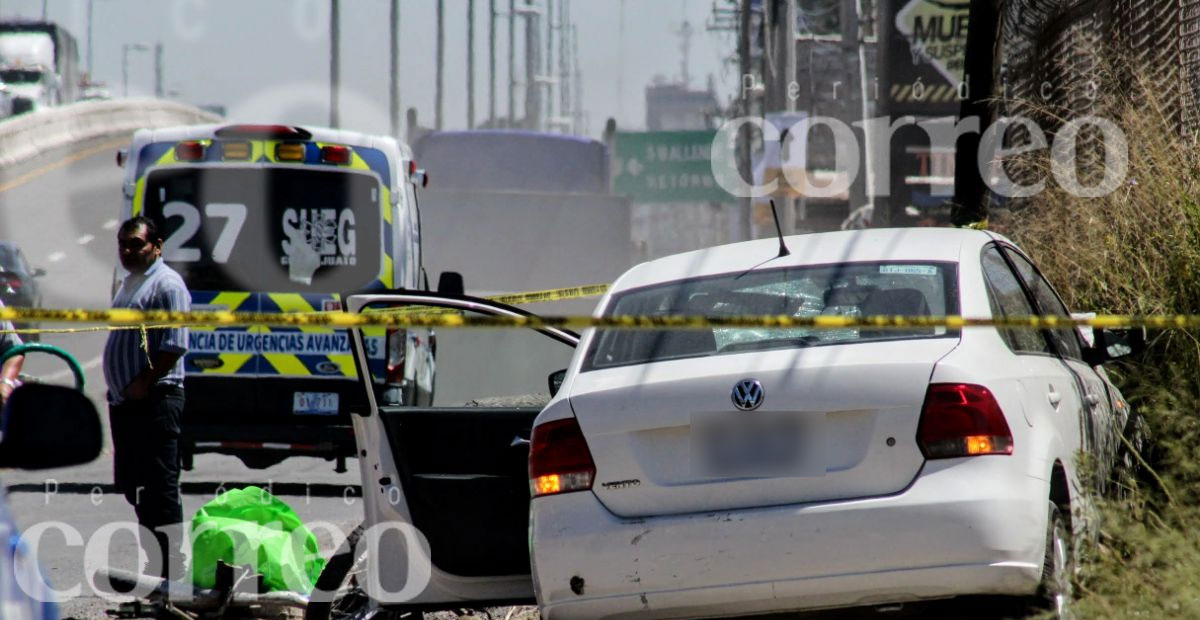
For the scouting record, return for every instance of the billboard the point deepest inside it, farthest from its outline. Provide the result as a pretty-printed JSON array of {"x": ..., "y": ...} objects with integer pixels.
[{"x": 923, "y": 60}]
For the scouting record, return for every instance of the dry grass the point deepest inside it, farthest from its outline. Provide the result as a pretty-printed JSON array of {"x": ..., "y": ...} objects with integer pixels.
[{"x": 1137, "y": 251}]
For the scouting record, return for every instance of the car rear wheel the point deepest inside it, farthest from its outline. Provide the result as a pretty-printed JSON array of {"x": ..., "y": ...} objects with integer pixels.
[{"x": 1055, "y": 593}]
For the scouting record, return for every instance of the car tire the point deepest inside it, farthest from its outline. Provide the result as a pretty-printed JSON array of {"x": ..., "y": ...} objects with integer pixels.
[
  {"x": 1131, "y": 454},
  {"x": 1056, "y": 591}
]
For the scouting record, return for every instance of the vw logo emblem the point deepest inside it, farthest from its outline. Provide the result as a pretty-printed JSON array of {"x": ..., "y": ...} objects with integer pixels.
[{"x": 747, "y": 394}]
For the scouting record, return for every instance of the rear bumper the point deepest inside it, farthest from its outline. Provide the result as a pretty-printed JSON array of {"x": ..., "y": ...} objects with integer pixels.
[
  {"x": 239, "y": 414},
  {"x": 966, "y": 527},
  {"x": 298, "y": 440}
]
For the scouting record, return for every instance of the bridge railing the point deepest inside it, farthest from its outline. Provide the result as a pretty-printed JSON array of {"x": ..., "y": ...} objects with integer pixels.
[{"x": 29, "y": 135}]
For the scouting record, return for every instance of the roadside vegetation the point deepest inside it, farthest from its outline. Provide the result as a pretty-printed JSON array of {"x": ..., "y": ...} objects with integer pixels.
[{"x": 1137, "y": 251}]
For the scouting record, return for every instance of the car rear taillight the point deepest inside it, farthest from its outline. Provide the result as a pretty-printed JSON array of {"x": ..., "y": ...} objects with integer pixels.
[
  {"x": 961, "y": 419},
  {"x": 559, "y": 459},
  {"x": 10, "y": 280},
  {"x": 396, "y": 355}
]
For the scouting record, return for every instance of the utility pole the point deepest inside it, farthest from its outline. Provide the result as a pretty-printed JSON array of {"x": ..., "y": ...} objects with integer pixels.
[
  {"x": 970, "y": 190},
  {"x": 158, "y": 70},
  {"x": 138, "y": 47},
  {"x": 91, "y": 5},
  {"x": 394, "y": 78},
  {"x": 548, "y": 71},
  {"x": 470, "y": 64},
  {"x": 512, "y": 63},
  {"x": 786, "y": 32},
  {"x": 744, "y": 109},
  {"x": 882, "y": 215},
  {"x": 621, "y": 59},
  {"x": 578, "y": 73},
  {"x": 564, "y": 71},
  {"x": 868, "y": 140},
  {"x": 45, "y": 10},
  {"x": 334, "y": 63},
  {"x": 441, "y": 64},
  {"x": 492, "y": 63},
  {"x": 533, "y": 107},
  {"x": 685, "y": 33}
]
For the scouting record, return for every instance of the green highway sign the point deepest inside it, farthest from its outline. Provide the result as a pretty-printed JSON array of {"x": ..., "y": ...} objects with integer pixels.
[{"x": 666, "y": 166}]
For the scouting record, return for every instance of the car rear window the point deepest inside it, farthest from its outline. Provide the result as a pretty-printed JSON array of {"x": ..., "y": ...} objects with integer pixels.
[
  {"x": 845, "y": 289},
  {"x": 234, "y": 228}
]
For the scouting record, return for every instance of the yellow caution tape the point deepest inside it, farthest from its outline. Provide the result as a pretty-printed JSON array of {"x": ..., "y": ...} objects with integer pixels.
[
  {"x": 162, "y": 318},
  {"x": 80, "y": 330},
  {"x": 513, "y": 299},
  {"x": 557, "y": 294},
  {"x": 517, "y": 299}
]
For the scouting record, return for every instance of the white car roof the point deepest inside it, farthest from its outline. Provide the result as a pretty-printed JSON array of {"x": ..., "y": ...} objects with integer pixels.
[{"x": 876, "y": 244}]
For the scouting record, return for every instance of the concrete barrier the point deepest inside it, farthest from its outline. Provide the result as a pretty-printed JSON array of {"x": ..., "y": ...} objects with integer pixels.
[{"x": 29, "y": 135}]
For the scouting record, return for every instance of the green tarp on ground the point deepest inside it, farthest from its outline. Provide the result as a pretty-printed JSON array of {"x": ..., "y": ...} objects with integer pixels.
[{"x": 249, "y": 526}]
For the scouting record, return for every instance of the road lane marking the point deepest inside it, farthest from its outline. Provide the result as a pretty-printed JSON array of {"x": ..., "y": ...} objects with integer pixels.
[
  {"x": 109, "y": 225},
  {"x": 84, "y": 240},
  {"x": 37, "y": 172},
  {"x": 57, "y": 256}
]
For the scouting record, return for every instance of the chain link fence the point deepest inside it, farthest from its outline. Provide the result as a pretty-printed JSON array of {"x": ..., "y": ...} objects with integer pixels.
[{"x": 1059, "y": 59}]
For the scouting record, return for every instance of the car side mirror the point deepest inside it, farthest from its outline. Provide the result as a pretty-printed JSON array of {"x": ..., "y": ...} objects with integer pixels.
[
  {"x": 1113, "y": 344},
  {"x": 46, "y": 426},
  {"x": 555, "y": 380},
  {"x": 38, "y": 272},
  {"x": 451, "y": 283}
]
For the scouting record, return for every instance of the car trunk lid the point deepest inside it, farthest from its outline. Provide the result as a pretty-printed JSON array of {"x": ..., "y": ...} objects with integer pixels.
[{"x": 854, "y": 409}]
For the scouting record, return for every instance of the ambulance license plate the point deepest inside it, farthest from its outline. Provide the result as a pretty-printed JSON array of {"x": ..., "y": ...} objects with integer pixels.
[{"x": 315, "y": 403}]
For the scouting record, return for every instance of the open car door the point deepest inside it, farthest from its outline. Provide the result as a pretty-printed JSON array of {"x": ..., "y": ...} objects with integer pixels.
[{"x": 456, "y": 471}]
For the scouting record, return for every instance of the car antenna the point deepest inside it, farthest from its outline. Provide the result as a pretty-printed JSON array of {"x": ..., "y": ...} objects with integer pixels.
[{"x": 783, "y": 250}]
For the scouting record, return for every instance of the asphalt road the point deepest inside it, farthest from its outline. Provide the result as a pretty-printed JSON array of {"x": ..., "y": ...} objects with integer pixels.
[{"x": 62, "y": 209}]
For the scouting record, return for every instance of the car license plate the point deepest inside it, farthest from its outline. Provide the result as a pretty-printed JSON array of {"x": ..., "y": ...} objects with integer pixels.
[
  {"x": 754, "y": 444},
  {"x": 315, "y": 403}
]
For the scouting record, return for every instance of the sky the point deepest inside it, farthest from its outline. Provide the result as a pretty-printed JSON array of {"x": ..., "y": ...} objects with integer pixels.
[{"x": 268, "y": 60}]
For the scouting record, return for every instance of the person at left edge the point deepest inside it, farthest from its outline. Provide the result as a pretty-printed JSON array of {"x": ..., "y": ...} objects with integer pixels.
[
  {"x": 145, "y": 394},
  {"x": 11, "y": 368}
]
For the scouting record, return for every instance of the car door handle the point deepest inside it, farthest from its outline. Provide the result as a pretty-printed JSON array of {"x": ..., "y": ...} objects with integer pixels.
[
  {"x": 1055, "y": 398},
  {"x": 518, "y": 441}
]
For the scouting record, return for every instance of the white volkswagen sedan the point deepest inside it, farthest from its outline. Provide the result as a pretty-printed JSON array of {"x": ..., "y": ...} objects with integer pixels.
[{"x": 729, "y": 472}]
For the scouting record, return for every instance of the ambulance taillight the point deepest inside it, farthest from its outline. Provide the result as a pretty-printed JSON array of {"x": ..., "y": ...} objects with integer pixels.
[
  {"x": 189, "y": 150},
  {"x": 335, "y": 154}
]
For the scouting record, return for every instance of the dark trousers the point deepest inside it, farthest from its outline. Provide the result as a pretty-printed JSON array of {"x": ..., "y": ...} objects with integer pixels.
[{"x": 145, "y": 435}]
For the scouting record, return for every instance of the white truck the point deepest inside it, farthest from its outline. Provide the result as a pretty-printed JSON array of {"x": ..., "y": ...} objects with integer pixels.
[{"x": 39, "y": 63}]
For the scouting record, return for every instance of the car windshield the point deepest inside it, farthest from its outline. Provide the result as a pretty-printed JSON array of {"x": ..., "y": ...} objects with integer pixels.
[
  {"x": 20, "y": 76},
  {"x": 847, "y": 289}
]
